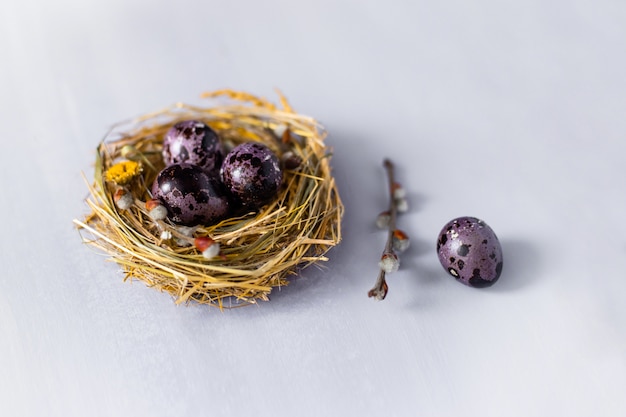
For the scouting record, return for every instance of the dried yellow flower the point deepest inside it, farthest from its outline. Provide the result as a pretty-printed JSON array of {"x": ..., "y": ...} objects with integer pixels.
[{"x": 123, "y": 172}]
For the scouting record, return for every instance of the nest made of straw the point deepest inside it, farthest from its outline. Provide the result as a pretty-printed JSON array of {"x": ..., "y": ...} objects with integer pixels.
[{"x": 258, "y": 249}]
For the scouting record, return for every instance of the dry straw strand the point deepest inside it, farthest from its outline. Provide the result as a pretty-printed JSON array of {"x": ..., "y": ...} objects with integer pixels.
[{"x": 259, "y": 250}]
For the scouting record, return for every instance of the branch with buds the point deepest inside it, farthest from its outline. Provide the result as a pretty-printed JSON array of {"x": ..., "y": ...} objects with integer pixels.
[
  {"x": 397, "y": 240},
  {"x": 205, "y": 245},
  {"x": 158, "y": 213}
]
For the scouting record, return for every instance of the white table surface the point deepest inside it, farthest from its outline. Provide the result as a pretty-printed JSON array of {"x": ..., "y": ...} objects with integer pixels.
[{"x": 511, "y": 111}]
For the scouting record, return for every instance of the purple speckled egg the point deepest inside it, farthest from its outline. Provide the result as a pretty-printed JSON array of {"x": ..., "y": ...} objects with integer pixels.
[
  {"x": 470, "y": 251},
  {"x": 252, "y": 173},
  {"x": 193, "y": 142},
  {"x": 190, "y": 196}
]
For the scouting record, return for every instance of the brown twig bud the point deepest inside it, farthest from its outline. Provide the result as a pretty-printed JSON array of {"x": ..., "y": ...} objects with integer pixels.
[
  {"x": 152, "y": 204},
  {"x": 398, "y": 191},
  {"x": 156, "y": 210},
  {"x": 382, "y": 221},
  {"x": 389, "y": 262},
  {"x": 207, "y": 246},
  {"x": 381, "y": 288},
  {"x": 291, "y": 160},
  {"x": 202, "y": 243},
  {"x": 400, "y": 242},
  {"x": 123, "y": 199},
  {"x": 402, "y": 205}
]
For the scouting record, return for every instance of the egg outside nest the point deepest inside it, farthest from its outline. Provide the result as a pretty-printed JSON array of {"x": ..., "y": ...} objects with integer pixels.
[
  {"x": 260, "y": 247},
  {"x": 469, "y": 250}
]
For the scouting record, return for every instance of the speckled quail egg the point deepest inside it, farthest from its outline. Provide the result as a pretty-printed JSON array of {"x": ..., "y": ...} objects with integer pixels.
[
  {"x": 193, "y": 142},
  {"x": 190, "y": 195},
  {"x": 252, "y": 174},
  {"x": 470, "y": 251}
]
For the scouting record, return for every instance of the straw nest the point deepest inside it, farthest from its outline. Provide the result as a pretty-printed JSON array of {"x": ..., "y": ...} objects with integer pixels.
[{"x": 258, "y": 250}]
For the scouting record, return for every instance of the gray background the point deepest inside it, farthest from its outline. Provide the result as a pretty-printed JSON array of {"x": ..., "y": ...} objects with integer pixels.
[{"x": 512, "y": 111}]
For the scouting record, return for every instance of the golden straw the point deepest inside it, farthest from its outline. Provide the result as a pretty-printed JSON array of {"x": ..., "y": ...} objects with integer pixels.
[{"x": 258, "y": 250}]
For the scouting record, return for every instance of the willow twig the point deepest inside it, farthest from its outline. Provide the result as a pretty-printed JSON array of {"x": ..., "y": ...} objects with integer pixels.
[{"x": 397, "y": 240}]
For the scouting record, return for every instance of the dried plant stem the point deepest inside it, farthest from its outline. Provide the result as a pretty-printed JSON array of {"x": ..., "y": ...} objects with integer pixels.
[
  {"x": 393, "y": 208},
  {"x": 380, "y": 289}
]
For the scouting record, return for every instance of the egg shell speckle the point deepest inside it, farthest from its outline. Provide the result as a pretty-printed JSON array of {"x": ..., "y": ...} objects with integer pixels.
[
  {"x": 470, "y": 251},
  {"x": 193, "y": 142},
  {"x": 190, "y": 196},
  {"x": 252, "y": 173}
]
